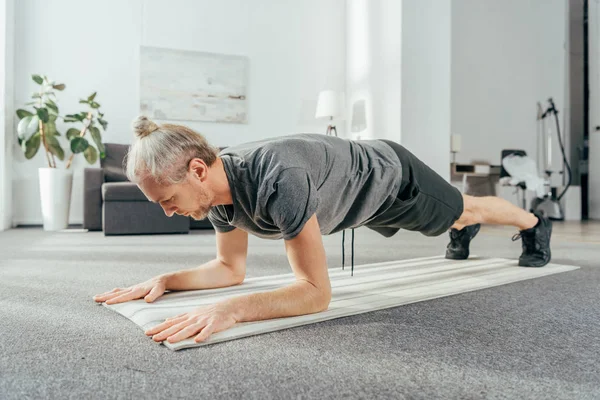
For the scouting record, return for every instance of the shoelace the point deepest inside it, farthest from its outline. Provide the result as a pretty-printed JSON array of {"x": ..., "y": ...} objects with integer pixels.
[
  {"x": 343, "y": 252},
  {"x": 529, "y": 240}
]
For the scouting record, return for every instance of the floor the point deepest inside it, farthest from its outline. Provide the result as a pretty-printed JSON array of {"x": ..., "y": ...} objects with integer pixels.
[{"x": 531, "y": 339}]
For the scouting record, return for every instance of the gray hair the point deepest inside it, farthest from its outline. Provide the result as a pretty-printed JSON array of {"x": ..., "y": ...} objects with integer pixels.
[{"x": 163, "y": 152}]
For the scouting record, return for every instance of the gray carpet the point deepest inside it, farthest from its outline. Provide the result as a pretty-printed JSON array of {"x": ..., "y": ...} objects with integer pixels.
[{"x": 531, "y": 339}]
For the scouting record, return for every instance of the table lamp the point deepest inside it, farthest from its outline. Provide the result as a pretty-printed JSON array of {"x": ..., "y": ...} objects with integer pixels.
[
  {"x": 329, "y": 105},
  {"x": 455, "y": 141}
]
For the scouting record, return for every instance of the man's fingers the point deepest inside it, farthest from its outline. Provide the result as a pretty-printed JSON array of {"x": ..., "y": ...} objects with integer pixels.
[
  {"x": 171, "y": 331},
  {"x": 164, "y": 325},
  {"x": 185, "y": 333},
  {"x": 154, "y": 294},
  {"x": 122, "y": 297},
  {"x": 111, "y": 294},
  {"x": 205, "y": 334}
]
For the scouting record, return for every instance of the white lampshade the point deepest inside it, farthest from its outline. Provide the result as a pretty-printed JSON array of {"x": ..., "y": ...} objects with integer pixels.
[
  {"x": 329, "y": 105},
  {"x": 455, "y": 142}
]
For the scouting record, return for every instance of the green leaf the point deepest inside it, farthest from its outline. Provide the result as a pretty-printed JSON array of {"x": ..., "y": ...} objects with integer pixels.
[
  {"x": 43, "y": 114},
  {"x": 83, "y": 102},
  {"x": 23, "y": 113},
  {"x": 28, "y": 126},
  {"x": 60, "y": 86},
  {"x": 72, "y": 133},
  {"x": 50, "y": 128},
  {"x": 51, "y": 102},
  {"x": 90, "y": 154},
  {"x": 97, "y": 137},
  {"x": 70, "y": 118},
  {"x": 93, "y": 104},
  {"x": 30, "y": 147},
  {"x": 36, "y": 95},
  {"x": 103, "y": 123},
  {"x": 51, "y": 106},
  {"x": 103, "y": 155},
  {"x": 78, "y": 145},
  {"x": 22, "y": 127},
  {"x": 52, "y": 117},
  {"x": 51, "y": 139},
  {"x": 92, "y": 97},
  {"x": 34, "y": 125},
  {"x": 74, "y": 117},
  {"x": 37, "y": 79},
  {"x": 54, "y": 147}
]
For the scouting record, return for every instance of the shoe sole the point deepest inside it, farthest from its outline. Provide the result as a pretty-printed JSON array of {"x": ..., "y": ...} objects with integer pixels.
[
  {"x": 544, "y": 263},
  {"x": 456, "y": 257}
]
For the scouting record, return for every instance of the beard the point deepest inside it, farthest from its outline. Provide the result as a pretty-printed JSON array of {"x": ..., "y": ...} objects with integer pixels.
[
  {"x": 204, "y": 201},
  {"x": 200, "y": 214}
]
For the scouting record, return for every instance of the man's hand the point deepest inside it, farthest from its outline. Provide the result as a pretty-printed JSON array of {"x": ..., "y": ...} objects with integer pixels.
[
  {"x": 149, "y": 290},
  {"x": 202, "y": 322}
]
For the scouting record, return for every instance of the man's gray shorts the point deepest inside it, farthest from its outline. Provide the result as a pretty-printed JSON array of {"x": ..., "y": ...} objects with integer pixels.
[{"x": 425, "y": 201}]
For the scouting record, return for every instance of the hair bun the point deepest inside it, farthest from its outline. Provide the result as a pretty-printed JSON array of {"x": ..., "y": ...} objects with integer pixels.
[{"x": 142, "y": 126}]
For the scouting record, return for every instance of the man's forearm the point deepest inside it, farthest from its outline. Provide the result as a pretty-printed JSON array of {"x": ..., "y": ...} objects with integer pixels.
[
  {"x": 299, "y": 298},
  {"x": 213, "y": 274}
]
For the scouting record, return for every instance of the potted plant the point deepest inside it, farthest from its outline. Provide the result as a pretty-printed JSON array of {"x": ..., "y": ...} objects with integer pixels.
[{"x": 37, "y": 129}]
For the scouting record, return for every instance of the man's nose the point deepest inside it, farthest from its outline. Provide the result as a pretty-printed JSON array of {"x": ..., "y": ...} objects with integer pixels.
[{"x": 169, "y": 211}]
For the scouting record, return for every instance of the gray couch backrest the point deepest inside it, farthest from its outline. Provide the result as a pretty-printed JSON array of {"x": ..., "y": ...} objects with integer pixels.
[{"x": 114, "y": 162}]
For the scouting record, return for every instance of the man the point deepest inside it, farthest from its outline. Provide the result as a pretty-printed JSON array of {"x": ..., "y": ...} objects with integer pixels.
[{"x": 298, "y": 188}]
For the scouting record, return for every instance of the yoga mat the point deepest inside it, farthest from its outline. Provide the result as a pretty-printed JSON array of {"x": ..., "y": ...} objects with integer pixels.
[{"x": 373, "y": 287}]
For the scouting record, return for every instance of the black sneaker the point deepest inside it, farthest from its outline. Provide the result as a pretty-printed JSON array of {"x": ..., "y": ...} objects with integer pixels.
[
  {"x": 536, "y": 243},
  {"x": 458, "y": 248}
]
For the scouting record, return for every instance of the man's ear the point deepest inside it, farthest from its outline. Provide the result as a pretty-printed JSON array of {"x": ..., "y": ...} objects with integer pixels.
[{"x": 197, "y": 168}]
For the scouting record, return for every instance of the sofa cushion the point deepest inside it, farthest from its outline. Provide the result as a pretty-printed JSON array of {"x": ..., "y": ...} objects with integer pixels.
[
  {"x": 114, "y": 162},
  {"x": 122, "y": 191}
]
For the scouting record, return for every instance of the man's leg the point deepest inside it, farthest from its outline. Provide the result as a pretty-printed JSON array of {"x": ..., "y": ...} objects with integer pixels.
[
  {"x": 432, "y": 206},
  {"x": 535, "y": 230},
  {"x": 495, "y": 211}
]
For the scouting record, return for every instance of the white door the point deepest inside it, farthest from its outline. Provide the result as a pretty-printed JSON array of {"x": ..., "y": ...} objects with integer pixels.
[{"x": 594, "y": 73}]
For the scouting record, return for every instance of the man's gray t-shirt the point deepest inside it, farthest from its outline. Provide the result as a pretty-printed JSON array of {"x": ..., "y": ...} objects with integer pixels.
[{"x": 277, "y": 184}]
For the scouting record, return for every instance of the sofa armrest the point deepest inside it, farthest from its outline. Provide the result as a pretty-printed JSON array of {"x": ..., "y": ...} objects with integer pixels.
[{"x": 93, "y": 178}]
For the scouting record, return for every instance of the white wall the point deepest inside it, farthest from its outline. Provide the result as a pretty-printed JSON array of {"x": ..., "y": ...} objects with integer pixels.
[
  {"x": 296, "y": 49},
  {"x": 373, "y": 68},
  {"x": 6, "y": 110},
  {"x": 398, "y": 64},
  {"x": 594, "y": 65},
  {"x": 426, "y": 58},
  {"x": 506, "y": 56}
]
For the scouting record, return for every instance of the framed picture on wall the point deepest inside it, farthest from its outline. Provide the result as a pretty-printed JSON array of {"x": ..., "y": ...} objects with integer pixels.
[{"x": 184, "y": 85}]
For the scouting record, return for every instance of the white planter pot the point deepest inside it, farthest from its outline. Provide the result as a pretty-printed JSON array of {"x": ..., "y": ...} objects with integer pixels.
[{"x": 55, "y": 196}]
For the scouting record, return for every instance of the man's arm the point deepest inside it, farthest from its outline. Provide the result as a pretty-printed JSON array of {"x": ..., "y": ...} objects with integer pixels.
[
  {"x": 213, "y": 274},
  {"x": 310, "y": 293},
  {"x": 227, "y": 269}
]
